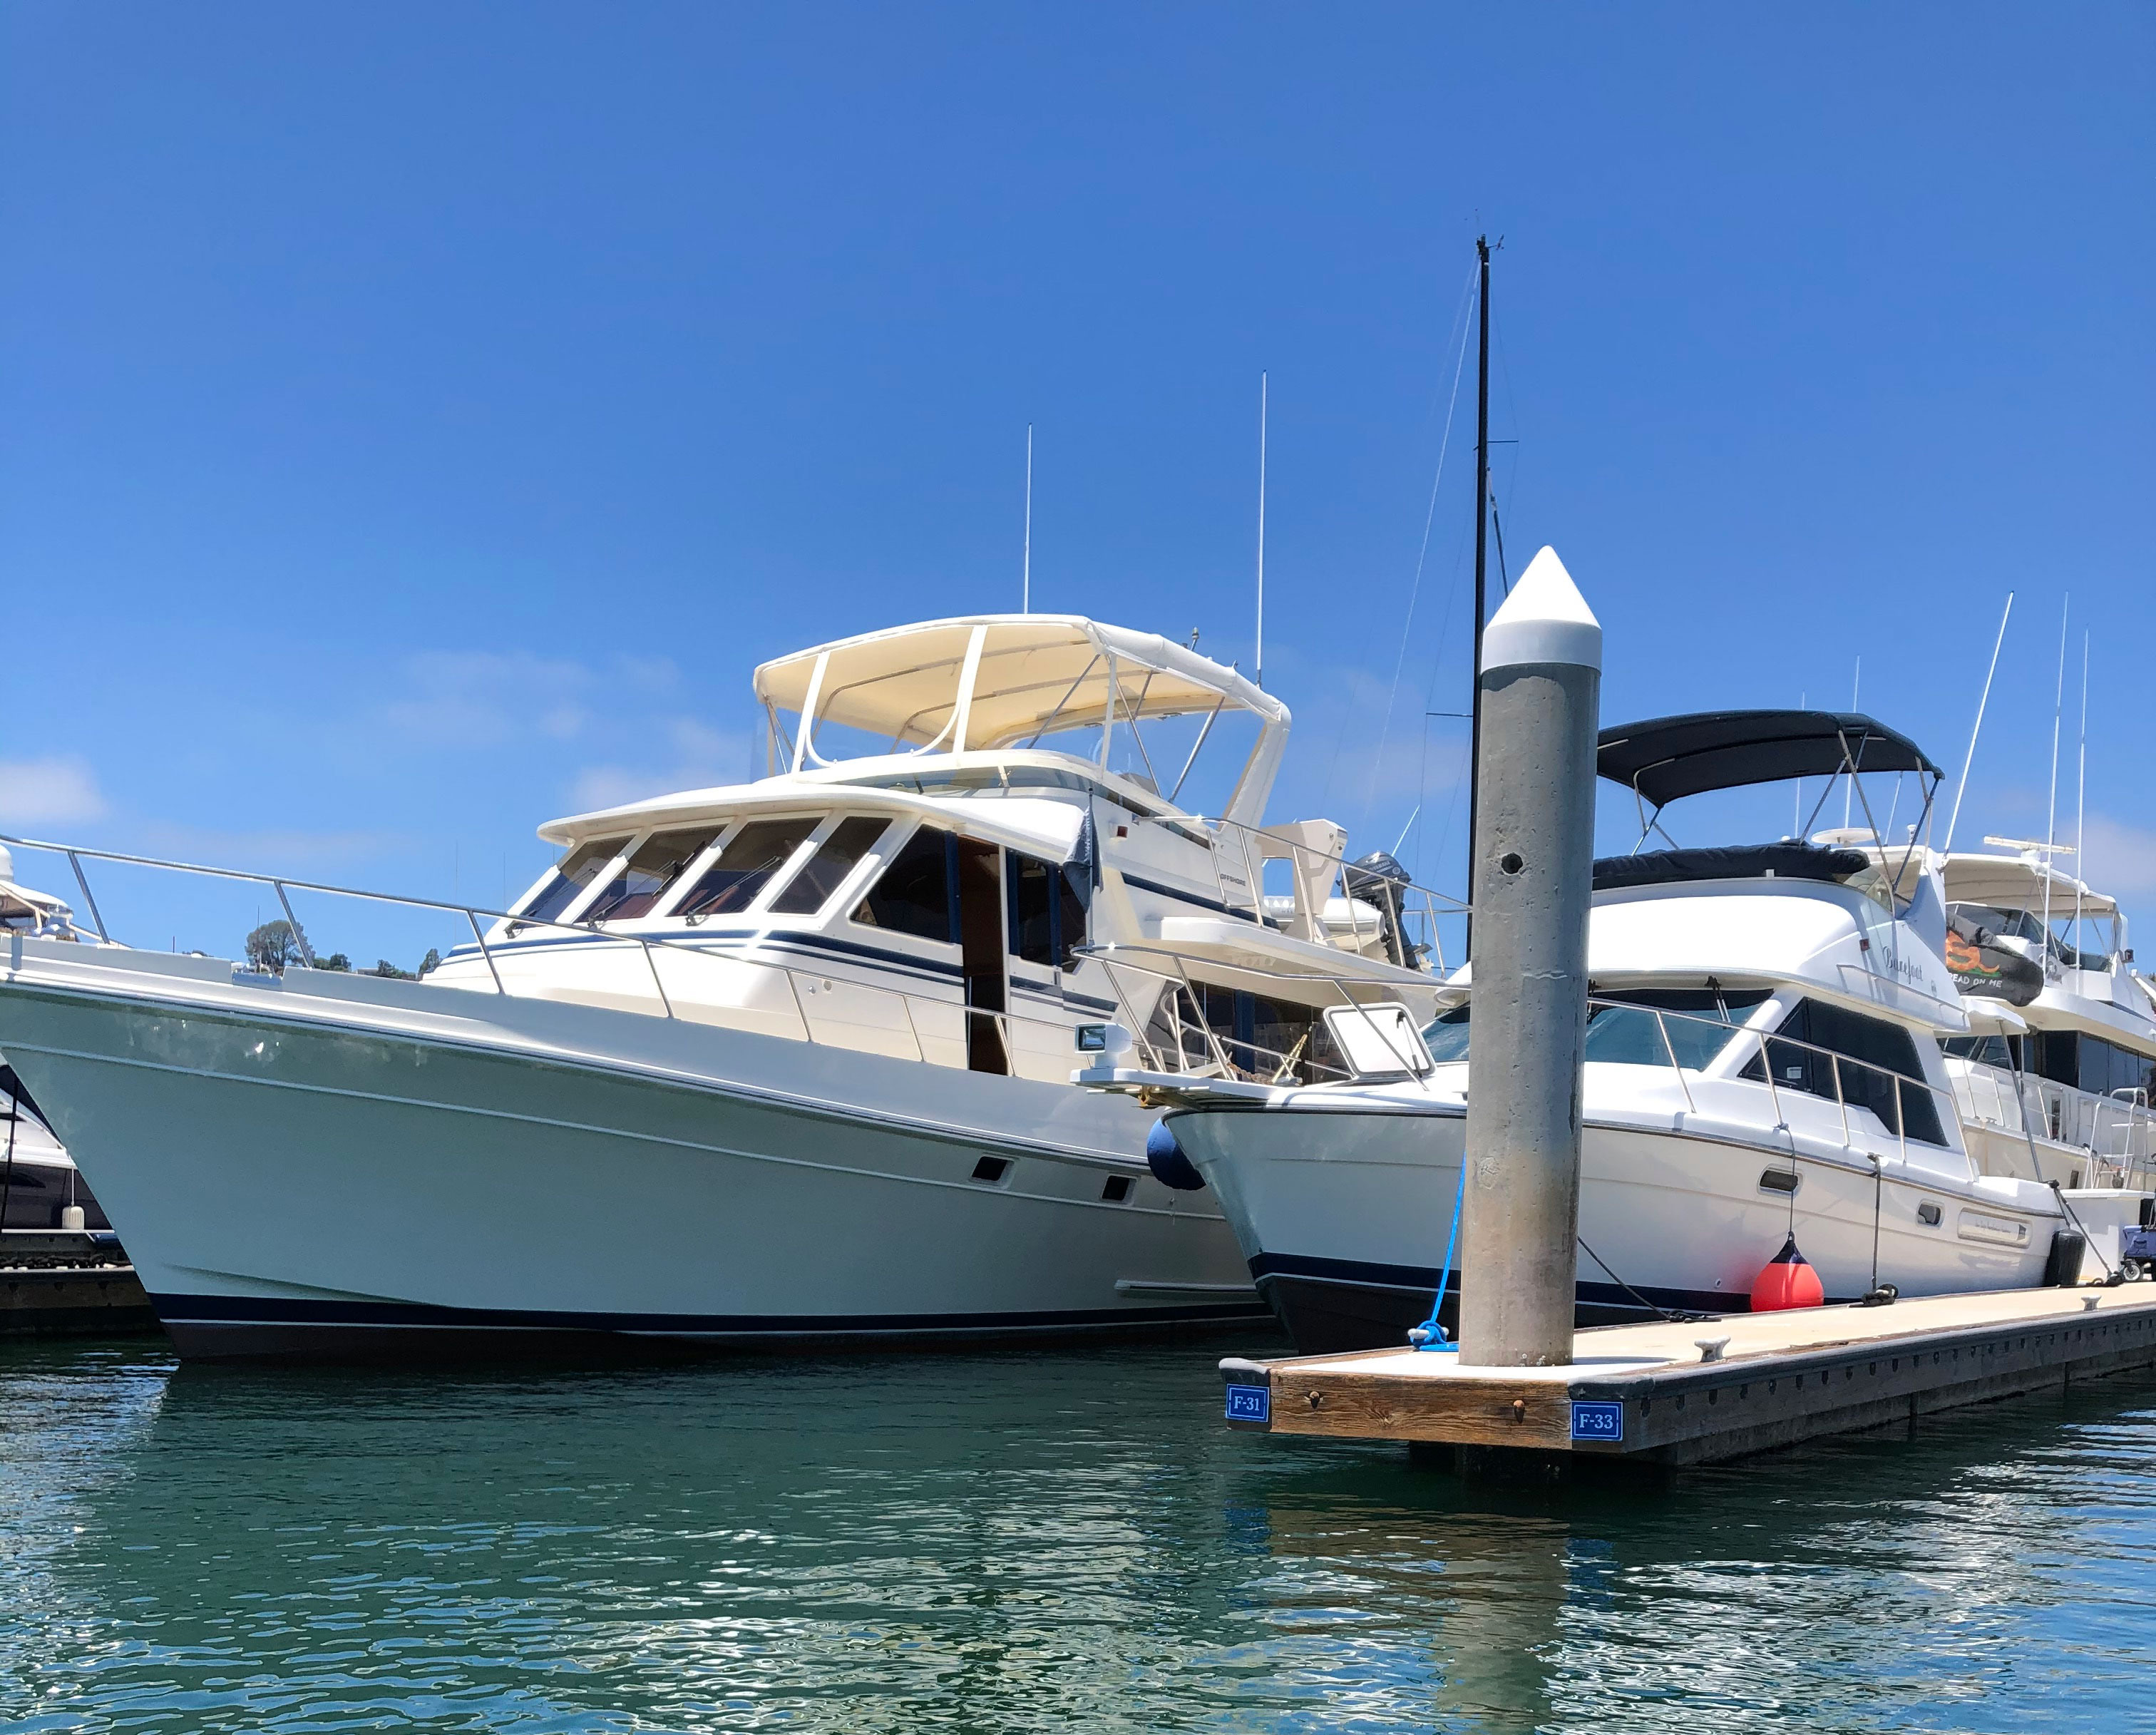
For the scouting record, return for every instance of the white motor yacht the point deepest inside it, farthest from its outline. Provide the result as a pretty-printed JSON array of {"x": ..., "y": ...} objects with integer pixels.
[
  {"x": 812, "y": 1034},
  {"x": 2055, "y": 1079},
  {"x": 1761, "y": 1065}
]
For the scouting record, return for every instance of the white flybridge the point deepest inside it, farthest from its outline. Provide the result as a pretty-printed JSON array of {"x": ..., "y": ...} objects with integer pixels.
[
  {"x": 1761, "y": 1064},
  {"x": 812, "y": 1036},
  {"x": 2056, "y": 1076}
]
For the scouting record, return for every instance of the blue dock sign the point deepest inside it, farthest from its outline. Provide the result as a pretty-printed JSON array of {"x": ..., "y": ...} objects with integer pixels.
[
  {"x": 1251, "y": 1403},
  {"x": 1597, "y": 1421}
]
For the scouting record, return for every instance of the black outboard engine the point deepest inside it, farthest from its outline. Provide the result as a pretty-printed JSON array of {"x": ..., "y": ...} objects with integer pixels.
[{"x": 1378, "y": 878}]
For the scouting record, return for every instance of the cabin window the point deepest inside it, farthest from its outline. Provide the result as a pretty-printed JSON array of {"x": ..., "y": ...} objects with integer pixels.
[
  {"x": 575, "y": 871},
  {"x": 648, "y": 873},
  {"x": 1446, "y": 1036},
  {"x": 1030, "y": 895},
  {"x": 1900, "y": 1102},
  {"x": 745, "y": 866},
  {"x": 1984, "y": 1050},
  {"x": 1629, "y": 1033},
  {"x": 1047, "y": 912},
  {"x": 2106, "y": 1067},
  {"x": 826, "y": 870},
  {"x": 917, "y": 894},
  {"x": 1263, "y": 1039}
]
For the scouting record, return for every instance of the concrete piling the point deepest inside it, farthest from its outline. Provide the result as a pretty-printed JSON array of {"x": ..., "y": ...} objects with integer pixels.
[{"x": 1540, "y": 683}]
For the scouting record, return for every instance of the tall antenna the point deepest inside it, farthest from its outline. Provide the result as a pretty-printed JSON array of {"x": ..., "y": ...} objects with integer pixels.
[
  {"x": 1969, "y": 757},
  {"x": 2081, "y": 799},
  {"x": 1025, "y": 607},
  {"x": 1797, "y": 798},
  {"x": 1848, "y": 788},
  {"x": 2052, "y": 823},
  {"x": 1260, "y": 675}
]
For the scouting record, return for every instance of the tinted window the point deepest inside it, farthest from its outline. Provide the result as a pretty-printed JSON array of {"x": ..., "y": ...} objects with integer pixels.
[
  {"x": 913, "y": 894},
  {"x": 1030, "y": 894},
  {"x": 826, "y": 870},
  {"x": 745, "y": 866},
  {"x": 1446, "y": 1036},
  {"x": 647, "y": 873},
  {"x": 577, "y": 870},
  {"x": 1873, "y": 1041},
  {"x": 1697, "y": 1026}
]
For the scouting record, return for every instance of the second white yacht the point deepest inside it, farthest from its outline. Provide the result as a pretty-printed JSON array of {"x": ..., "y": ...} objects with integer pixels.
[{"x": 1761, "y": 1065}]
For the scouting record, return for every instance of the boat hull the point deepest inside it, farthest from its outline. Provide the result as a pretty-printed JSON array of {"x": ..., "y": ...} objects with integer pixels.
[
  {"x": 425, "y": 1171},
  {"x": 1344, "y": 1216}
]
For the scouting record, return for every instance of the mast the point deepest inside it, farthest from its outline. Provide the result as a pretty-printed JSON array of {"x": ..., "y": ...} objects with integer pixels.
[
  {"x": 1482, "y": 590},
  {"x": 1025, "y": 580}
]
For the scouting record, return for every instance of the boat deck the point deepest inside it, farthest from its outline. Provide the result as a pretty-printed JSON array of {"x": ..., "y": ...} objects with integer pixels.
[{"x": 1647, "y": 1393}]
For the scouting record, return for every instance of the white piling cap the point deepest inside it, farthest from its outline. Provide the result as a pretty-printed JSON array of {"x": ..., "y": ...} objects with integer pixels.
[{"x": 1544, "y": 620}]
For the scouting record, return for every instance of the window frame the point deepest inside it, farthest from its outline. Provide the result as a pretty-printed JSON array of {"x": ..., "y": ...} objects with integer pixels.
[
  {"x": 894, "y": 844},
  {"x": 669, "y": 908},
  {"x": 870, "y": 859}
]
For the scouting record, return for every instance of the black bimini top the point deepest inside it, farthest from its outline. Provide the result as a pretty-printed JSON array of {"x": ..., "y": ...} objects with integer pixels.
[{"x": 1666, "y": 758}]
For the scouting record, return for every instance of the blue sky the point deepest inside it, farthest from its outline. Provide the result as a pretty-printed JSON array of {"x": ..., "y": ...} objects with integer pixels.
[{"x": 415, "y": 422}]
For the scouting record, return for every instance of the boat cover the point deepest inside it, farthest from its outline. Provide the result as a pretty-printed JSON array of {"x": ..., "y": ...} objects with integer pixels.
[
  {"x": 1735, "y": 861},
  {"x": 1666, "y": 758}
]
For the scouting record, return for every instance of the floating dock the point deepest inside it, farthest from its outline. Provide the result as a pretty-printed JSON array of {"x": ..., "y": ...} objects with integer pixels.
[
  {"x": 1699, "y": 1392},
  {"x": 68, "y": 1283}
]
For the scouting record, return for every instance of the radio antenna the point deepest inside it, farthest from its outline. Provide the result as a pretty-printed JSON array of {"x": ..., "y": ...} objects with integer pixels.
[
  {"x": 1025, "y": 605},
  {"x": 2051, "y": 822},
  {"x": 1260, "y": 673},
  {"x": 1969, "y": 757}
]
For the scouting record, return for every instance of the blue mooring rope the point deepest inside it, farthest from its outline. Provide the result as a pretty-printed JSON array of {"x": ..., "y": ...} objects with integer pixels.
[{"x": 1430, "y": 1334}]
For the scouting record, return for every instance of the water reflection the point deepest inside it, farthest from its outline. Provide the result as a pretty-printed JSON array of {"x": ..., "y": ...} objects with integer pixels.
[{"x": 1013, "y": 1542}]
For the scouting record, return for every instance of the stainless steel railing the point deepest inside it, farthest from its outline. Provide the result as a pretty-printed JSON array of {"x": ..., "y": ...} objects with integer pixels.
[{"x": 478, "y": 918}]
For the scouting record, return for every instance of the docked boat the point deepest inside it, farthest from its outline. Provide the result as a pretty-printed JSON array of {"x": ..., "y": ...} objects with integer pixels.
[
  {"x": 782, "y": 1062},
  {"x": 1762, "y": 1065},
  {"x": 2056, "y": 1076}
]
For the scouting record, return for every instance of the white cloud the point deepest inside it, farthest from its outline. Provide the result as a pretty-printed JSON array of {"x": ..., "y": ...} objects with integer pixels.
[
  {"x": 490, "y": 698},
  {"x": 703, "y": 756},
  {"x": 2119, "y": 860},
  {"x": 49, "y": 791}
]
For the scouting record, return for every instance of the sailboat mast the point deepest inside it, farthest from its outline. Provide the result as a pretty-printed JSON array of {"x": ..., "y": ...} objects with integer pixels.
[{"x": 1481, "y": 583}]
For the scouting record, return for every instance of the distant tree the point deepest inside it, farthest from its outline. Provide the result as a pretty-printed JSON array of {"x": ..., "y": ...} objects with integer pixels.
[
  {"x": 383, "y": 967},
  {"x": 431, "y": 962},
  {"x": 271, "y": 947},
  {"x": 334, "y": 961}
]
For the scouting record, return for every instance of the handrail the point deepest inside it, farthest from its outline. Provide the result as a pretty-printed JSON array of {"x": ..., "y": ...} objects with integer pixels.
[{"x": 475, "y": 915}]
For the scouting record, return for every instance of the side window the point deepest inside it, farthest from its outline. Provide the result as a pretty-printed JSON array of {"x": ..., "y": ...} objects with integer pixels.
[
  {"x": 648, "y": 873},
  {"x": 1029, "y": 894},
  {"x": 1445, "y": 1035},
  {"x": 1695, "y": 1025},
  {"x": 575, "y": 871},
  {"x": 1882, "y": 1049},
  {"x": 824, "y": 871},
  {"x": 756, "y": 852},
  {"x": 913, "y": 896}
]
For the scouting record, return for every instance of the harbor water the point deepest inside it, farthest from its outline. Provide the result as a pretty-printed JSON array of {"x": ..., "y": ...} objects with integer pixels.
[{"x": 1064, "y": 1540}]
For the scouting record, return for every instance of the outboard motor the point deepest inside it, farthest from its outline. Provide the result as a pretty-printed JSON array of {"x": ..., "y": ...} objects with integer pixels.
[{"x": 1378, "y": 878}]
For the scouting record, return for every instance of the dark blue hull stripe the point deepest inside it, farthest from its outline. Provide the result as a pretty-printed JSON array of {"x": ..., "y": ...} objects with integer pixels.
[
  {"x": 1422, "y": 1279},
  {"x": 185, "y": 1309}
]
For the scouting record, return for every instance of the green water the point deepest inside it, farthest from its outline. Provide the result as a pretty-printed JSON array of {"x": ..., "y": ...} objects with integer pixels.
[{"x": 1061, "y": 1541}]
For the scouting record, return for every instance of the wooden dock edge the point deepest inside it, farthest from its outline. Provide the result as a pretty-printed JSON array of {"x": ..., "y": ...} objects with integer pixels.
[{"x": 1701, "y": 1412}]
